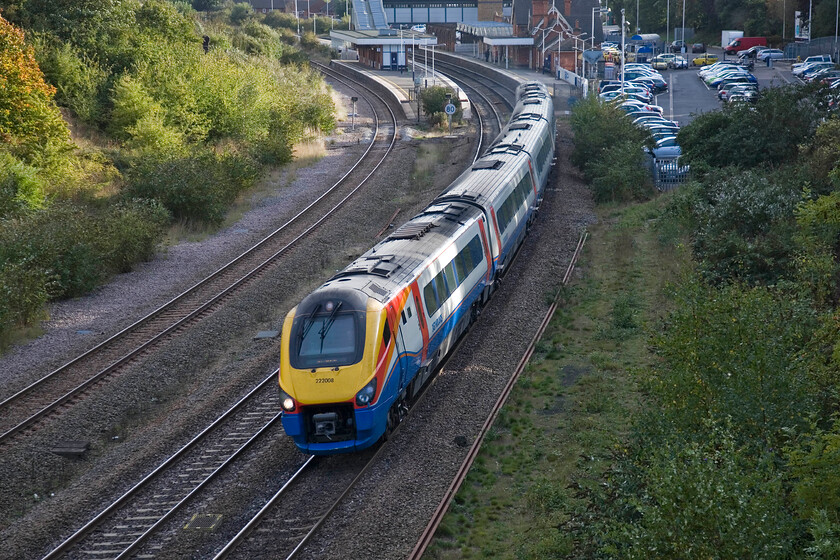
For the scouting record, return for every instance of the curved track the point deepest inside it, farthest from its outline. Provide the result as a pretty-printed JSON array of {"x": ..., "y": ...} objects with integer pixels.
[{"x": 69, "y": 383}]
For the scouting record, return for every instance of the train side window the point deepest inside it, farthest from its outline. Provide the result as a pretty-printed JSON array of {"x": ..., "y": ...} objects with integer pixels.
[
  {"x": 440, "y": 287},
  {"x": 452, "y": 282},
  {"x": 409, "y": 311},
  {"x": 404, "y": 320},
  {"x": 461, "y": 266},
  {"x": 475, "y": 251},
  {"x": 431, "y": 298},
  {"x": 386, "y": 333}
]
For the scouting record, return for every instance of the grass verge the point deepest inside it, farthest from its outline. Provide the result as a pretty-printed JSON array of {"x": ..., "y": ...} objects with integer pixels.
[{"x": 572, "y": 408}]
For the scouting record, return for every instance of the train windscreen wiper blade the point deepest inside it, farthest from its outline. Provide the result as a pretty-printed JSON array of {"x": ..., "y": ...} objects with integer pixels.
[
  {"x": 329, "y": 323},
  {"x": 308, "y": 326}
]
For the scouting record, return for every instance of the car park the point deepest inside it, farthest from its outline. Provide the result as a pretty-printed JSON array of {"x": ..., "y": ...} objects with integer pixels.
[{"x": 705, "y": 59}]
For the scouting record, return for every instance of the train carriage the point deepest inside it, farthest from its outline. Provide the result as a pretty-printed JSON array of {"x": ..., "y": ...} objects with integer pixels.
[{"x": 360, "y": 347}]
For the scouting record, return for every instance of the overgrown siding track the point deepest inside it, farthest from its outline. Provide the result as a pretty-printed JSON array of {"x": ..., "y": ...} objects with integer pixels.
[{"x": 69, "y": 383}]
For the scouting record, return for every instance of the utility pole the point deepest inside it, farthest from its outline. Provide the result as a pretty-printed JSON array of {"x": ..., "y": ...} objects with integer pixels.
[{"x": 622, "y": 51}]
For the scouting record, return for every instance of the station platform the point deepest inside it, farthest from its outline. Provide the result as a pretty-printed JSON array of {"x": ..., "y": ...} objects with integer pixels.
[{"x": 402, "y": 85}]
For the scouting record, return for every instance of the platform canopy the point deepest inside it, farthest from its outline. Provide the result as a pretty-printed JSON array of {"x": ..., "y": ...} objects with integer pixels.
[
  {"x": 501, "y": 41},
  {"x": 645, "y": 38},
  {"x": 377, "y": 37}
]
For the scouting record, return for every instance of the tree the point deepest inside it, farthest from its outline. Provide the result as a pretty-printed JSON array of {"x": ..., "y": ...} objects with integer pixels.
[{"x": 30, "y": 124}]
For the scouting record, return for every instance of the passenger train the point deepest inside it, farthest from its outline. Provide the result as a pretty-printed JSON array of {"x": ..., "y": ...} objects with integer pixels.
[{"x": 357, "y": 350}]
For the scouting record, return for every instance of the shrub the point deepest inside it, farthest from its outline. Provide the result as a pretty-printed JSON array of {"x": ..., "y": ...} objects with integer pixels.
[
  {"x": 608, "y": 149},
  {"x": 195, "y": 187},
  {"x": 703, "y": 499},
  {"x": 130, "y": 232},
  {"x": 240, "y": 13},
  {"x": 20, "y": 186},
  {"x": 79, "y": 80},
  {"x": 735, "y": 352},
  {"x": 746, "y": 226}
]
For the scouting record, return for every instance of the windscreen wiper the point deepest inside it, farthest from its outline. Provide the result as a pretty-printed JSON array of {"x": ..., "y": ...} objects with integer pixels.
[
  {"x": 308, "y": 326},
  {"x": 328, "y": 323}
]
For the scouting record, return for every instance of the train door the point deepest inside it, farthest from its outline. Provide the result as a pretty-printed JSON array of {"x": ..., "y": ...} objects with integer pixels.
[{"x": 410, "y": 338}]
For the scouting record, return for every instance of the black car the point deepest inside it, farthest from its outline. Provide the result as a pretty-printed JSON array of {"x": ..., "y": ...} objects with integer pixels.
[
  {"x": 677, "y": 46},
  {"x": 698, "y": 48}
]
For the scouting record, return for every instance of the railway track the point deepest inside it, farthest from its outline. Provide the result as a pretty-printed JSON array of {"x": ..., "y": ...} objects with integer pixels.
[
  {"x": 68, "y": 384},
  {"x": 130, "y": 521}
]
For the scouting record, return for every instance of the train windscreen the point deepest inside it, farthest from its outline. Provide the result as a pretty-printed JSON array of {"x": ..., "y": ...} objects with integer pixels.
[{"x": 325, "y": 339}]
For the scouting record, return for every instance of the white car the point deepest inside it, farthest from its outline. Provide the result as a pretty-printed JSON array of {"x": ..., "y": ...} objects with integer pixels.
[{"x": 775, "y": 54}]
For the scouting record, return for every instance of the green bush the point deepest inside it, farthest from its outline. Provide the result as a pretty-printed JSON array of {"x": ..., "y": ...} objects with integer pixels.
[
  {"x": 734, "y": 352},
  {"x": 194, "y": 188},
  {"x": 21, "y": 187},
  {"x": 702, "y": 499},
  {"x": 129, "y": 232},
  {"x": 79, "y": 80},
  {"x": 746, "y": 225},
  {"x": 608, "y": 149},
  {"x": 23, "y": 293}
]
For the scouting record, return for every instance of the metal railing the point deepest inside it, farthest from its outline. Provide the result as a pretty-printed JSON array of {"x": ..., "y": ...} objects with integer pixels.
[{"x": 667, "y": 173}]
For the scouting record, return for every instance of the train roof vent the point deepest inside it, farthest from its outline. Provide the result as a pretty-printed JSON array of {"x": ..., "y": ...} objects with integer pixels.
[
  {"x": 449, "y": 210},
  {"x": 530, "y": 101},
  {"x": 377, "y": 289},
  {"x": 506, "y": 149},
  {"x": 526, "y": 117},
  {"x": 520, "y": 126},
  {"x": 378, "y": 265},
  {"x": 487, "y": 164},
  {"x": 412, "y": 230}
]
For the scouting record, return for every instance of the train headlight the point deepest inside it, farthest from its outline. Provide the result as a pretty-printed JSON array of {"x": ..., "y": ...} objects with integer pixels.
[
  {"x": 287, "y": 403},
  {"x": 364, "y": 396}
]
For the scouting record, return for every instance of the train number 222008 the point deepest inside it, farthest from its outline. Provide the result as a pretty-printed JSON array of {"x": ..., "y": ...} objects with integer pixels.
[{"x": 325, "y": 380}]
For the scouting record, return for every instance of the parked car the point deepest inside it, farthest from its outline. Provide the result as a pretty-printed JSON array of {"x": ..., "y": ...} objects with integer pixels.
[
  {"x": 811, "y": 67},
  {"x": 752, "y": 52},
  {"x": 698, "y": 48},
  {"x": 661, "y": 62},
  {"x": 677, "y": 46},
  {"x": 704, "y": 60},
  {"x": 775, "y": 54},
  {"x": 810, "y": 59},
  {"x": 647, "y": 120},
  {"x": 744, "y": 43},
  {"x": 824, "y": 74},
  {"x": 679, "y": 63}
]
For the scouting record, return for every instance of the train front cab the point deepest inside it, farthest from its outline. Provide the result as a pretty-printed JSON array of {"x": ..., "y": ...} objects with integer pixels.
[{"x": 334, "y": 364}]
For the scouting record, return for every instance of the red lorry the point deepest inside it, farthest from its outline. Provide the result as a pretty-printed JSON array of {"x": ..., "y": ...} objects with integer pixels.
[{"x": 743, "y": 43}]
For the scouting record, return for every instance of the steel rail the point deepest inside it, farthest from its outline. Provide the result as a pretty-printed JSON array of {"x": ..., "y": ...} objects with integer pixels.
[
  {"x": 43, "y": 412},
  {"x": 429, "y": 532},
  {"x": 98, "y": 518}
]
